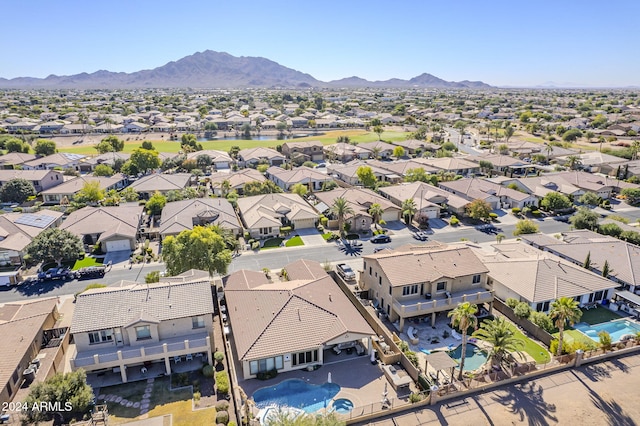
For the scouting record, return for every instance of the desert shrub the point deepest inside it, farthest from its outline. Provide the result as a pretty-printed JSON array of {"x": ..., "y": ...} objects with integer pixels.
[
  {"x": 522, "y": 310},
  {"x": 516, "y": 210},
  {"x": 412, "y": 357},
  {"x": 415, "y": 397},
  {"x": 207, "y": 370},
  {"x": 255, "y": 245},
  {"x": 542, "y": 320},
  {"x": 222, "y": 405},
  {"x": 454, "y": 221},
  {"x": 493, "y": 216},
  {"x": 218, "y": 356},
  {"x": 605, "y": 340},
  {"x": 222, "y": 382},
  {"x": 222, "y": 417},
  {"x": 511, "y": 302}
]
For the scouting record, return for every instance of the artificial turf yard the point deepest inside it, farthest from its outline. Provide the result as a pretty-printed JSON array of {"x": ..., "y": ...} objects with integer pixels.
[
  {"x": 537, "y": 352},
  {"x": 225, "y": 145}
]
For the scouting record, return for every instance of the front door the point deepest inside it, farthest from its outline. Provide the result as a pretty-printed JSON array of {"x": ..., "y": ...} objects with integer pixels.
[{"x": 119, "y": 341}]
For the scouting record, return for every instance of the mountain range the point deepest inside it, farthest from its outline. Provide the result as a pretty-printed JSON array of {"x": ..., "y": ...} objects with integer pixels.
[{"x": 211, "y": 69}]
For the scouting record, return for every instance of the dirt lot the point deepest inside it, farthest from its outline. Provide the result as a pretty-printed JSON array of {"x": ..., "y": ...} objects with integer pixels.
[{"x": 605, "y": 393}]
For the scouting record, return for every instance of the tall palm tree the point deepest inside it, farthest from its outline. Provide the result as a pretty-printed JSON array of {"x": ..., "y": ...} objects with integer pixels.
[
  {"x": 635, "y": 146},
  {"x": 502, "y": 336},
  {"x": 375, "y": 210},
  {"x": 564, "y": 310},
  {"x": 463, "y": 317},
  {"x": 376, "y": 150},
  {"x": 574, "y": 161},
  {"x": 340, "y": 209},
  {"x": 225, "y": 187},
  {"x": 409, "y": 210}
]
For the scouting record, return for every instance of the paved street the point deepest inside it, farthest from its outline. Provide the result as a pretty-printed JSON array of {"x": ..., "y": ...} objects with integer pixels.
[{"x": 604, "y": 393}]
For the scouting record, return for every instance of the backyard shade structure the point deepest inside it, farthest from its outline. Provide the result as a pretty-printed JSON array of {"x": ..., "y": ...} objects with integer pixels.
[
  {"x": 440, "y": 361},
  {"x": 631, "y": 299}
]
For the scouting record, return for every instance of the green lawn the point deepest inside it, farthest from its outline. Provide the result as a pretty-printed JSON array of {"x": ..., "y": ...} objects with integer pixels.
[
  {"x": 598, "y": 316},
  {"x": 327, "y": 235},
  {"x": 571, "y": 336},
  {"x": 536, "y": 351},
  {"x": 87, "y": 261},
  {"x": 272, "y": 243},
  {"x": 225, "y": 145},
  {"x": 295, "y": 241}
]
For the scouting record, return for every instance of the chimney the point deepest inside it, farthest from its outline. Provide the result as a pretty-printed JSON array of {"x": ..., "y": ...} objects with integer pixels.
[{"x": 330, "y": 297}]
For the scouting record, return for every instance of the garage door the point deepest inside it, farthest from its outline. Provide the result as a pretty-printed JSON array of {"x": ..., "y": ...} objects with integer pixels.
[{"x": 118, "y": 245}]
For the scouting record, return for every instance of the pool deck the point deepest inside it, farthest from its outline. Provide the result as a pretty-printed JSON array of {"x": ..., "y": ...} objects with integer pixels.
[{"x": 360, "y": 381}]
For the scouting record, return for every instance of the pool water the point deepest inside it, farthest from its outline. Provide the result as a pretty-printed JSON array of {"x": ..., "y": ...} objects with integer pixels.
[
  {"x": 342, "y": 405},
  {"x": 298, "y": 394},
  {"x": 616, "y": 329},
  {"x": 474, "y": 357}
]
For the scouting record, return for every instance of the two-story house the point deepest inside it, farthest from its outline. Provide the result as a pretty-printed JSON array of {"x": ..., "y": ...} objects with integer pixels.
[
  {"x": 416, "y": 281},
  {"x": 308, "y": 150},
  {"x": 132, "y": 328}
]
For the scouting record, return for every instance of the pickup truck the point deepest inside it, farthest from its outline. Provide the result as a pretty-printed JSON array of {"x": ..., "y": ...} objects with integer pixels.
[{"x": 345, "y": 272}]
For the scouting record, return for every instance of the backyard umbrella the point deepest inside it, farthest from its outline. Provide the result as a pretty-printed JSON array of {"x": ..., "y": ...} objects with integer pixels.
[{"x": 329, "y": 377}]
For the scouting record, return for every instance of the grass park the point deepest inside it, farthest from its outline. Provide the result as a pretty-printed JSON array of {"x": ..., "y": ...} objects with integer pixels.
[{"x": 327, "y": 138}]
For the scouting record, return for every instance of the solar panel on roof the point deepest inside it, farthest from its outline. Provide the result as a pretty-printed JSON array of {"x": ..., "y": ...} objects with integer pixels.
[{"x": 37, "y": 220}]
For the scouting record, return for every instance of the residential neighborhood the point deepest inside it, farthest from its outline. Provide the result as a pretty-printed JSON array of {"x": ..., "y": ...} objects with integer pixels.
[{"x": 202, "y": 248}]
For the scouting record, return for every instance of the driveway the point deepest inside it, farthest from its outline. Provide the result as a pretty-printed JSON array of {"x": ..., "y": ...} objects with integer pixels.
[{"x": 311, "y": 237}]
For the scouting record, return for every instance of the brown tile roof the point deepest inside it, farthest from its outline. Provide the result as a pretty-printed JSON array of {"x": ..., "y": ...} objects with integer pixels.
[
  {"x": 428, "y": 264},
  {"x": 178, "y": 216},
  {"x": 284, "y": 317},
  {"x": 117, "y": 306},
  {"x": 98, "y": 220}
]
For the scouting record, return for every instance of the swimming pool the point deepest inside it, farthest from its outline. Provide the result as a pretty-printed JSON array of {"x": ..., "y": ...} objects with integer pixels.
[
  {"x": 298, "y": 394},
  {"x": 616, "y": 329},
  {"x": 342, "y": 405},
  {"x": 474, "y": 357}
]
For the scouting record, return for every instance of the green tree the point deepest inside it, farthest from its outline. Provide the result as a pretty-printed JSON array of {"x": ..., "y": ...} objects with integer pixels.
[
  {"x": 147, "y": 145},
  {"x": 190, "y": 143},
  {"x": 375, "y": 210},
  {"x": 16, "y": 145},
  {"x": 564, "y": 310},
  {"x": 103, "y": 170},
  {"x": 366, "y": 176},
  {"x": 504, "y": 342},
  {"x": 542, "y": 320},
  {"x": 479, "y": 210},
  {"x": 300, "y": 189},
  {"x": 197, "y": 248},
  {"x": 573, "y": 162},
  {"x": 378, "y": 130},
  {"x": 587, "y": 261},
  {"x": 462, "y": 317},
  {"x": 55, "y": 245},
  {"x": 508, "y": 132},
  {"x": 71, "y": 388},
  {"x": 341, "y": 208},
  {"x": 110, "y": 144},
  {"x": 129, "y": 194},
  {"x": 599, "y": 121},
  {"x": 525, "y": 226},
  {"x": 417, "y": 175},
  {"x": 606, "y": 269},
  {"x": 152, "y": 277},
  {"x": 203, "y": 161},
  {"x": 90, "y": 193},
  {"x": 156, "y": 203},
  {"x": 145, "y": 159},
  {"x": 17, "y": 191},
  {"x": 408, "y": 210},
  {"x": 398, "y": 152},
  {"x": 259, "y": 188},
  {"x": 45, "y": 147},
  {"x": 611, "y": 229},
  {"x": 571, "y": 135},
  {"x": 585, "y": 218},
  {"x": 590, "y": 198},
  {"x": 632, "y": 195},
  {"x": 554, "y": 201}
]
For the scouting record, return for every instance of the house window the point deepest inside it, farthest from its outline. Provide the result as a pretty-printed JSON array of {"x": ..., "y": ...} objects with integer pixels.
[
  {"x": 266, "y": 364},
  {"x": 476, "y": 279},
  {"x": 106, "y": 335},
  {"x": 197, "y": 322},
  {"x": 380, "y": 280},
  {"x": 369, "y": 270},
  {"x": 542, "y": 306},
  {"x": 390, "y": 291},
  {"x": 94, "y": 337},
  {"x": 143, "y": 332},
  {"x": 410, "y": 289},
  {"x": 305, "y": 357},
  {"x": 441, "y": 286}
]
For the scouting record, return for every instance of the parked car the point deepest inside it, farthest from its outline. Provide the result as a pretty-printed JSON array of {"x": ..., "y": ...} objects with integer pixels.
[
  {"x": 56, "y": 274},
  {"x": 90, "y": 272},
  {"x": 345, "y": 272},
  {"x": 381, "y": 238},
  {"x": 421, "y": 235},
  {"x": 379, "y": 249}
]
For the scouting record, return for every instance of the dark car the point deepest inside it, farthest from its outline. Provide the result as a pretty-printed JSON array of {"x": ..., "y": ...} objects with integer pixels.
[
  {"x": 379, "y": 249},
  {"x": 379, "y": 239},
  {"x": 90, "y": 272},
  {"x": 55, "y": 274}
]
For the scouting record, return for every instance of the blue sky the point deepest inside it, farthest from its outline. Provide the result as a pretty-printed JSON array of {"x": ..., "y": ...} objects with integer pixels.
[{"x": 503, "y": 43}]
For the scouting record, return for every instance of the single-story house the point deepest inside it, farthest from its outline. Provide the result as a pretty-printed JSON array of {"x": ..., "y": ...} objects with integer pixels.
[
  {"x": 307, "y": 315},
  {"x": 285, "y": 179},
  {"x": 162, "y": 183},
  {"x": 234, "y": 181},
  {"x": 498, "y": 196},
  {"x": 17, "y": 231},
  {"x": 64, "y": 160},
  {"x": 219, "y": 159},
  {"x": 263, "y": 215},
  {"x": 251, "y": 157},
  {"x": 88, "y": 164},
  {"x": 116, "y": 228},
  {"x": 41, "y": 179},
  {"x": 64, "y": 193},
  {"x": 430, "y": 200},
  {"x": 181, "y": 215}
]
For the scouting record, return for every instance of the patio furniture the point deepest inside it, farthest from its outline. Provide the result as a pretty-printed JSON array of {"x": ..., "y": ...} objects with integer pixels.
[
  {"x": 199, "y": 354},
  {"x": 189, "y": 357},
  {"x": 177, "y": 359},
  {"x": 143, "y": 370}
]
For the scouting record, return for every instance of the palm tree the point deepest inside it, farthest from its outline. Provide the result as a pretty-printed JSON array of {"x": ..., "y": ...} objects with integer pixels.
[
  {"x": 409, "y": 210},
  {"x": 563, "y": 310},
  {"x": 376, "y": 150},
  {"x": 340, "y": 209},
  {"x": 635, "y": 146},
  {"x": 225, "y": 187},
  {"x": 574, "y": 161},
  {"x": 375, "y": 210},
  {"x": 463, "y": 317},
  {"x": 502, "y": 337}
]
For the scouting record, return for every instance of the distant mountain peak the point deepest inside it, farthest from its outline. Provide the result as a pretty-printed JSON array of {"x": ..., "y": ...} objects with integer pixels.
[{"x": 211, "y": 69}]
